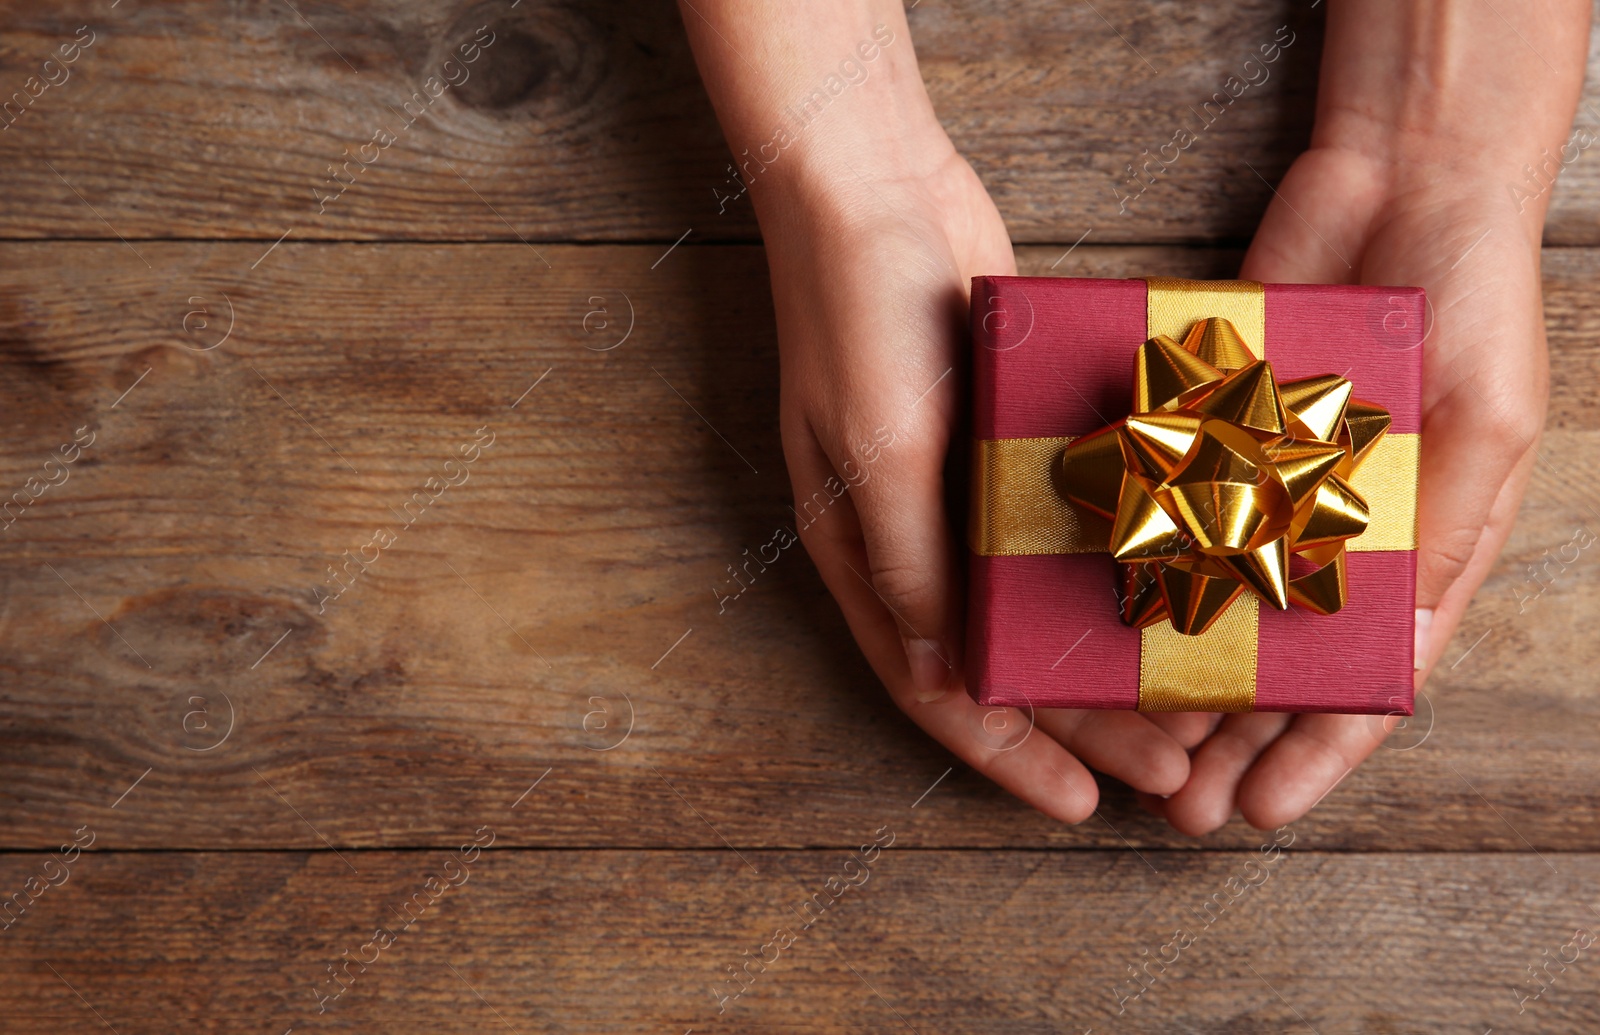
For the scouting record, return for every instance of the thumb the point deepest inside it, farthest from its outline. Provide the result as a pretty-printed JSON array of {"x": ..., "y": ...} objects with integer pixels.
[
  {"x": 869, "y": 507},
  {"x": 1485, "y": 389},
  {"x": 1474, "y": 472},
  {"x": 910, "y": 555},
  {"x": 1468, "y": 457}
]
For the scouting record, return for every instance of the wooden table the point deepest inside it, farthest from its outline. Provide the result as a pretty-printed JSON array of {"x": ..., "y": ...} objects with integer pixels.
[{"x": 521, "y": 738}]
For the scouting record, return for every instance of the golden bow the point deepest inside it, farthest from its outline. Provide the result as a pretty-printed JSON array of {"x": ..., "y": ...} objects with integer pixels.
[{"x": 1220, "y": 475}]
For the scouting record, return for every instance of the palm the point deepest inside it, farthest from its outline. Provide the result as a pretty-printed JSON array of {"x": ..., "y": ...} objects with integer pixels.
[{"x": 1483, "y": 400}]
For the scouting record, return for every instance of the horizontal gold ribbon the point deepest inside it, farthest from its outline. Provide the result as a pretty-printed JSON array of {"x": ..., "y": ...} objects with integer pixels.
[{"x": 1016, "y": 511}]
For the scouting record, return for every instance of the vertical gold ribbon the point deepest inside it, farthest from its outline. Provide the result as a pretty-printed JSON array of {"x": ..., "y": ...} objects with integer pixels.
[{"x": 1215, "y": 671}]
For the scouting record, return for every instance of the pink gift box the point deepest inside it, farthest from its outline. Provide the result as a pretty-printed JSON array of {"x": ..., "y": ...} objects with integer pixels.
[{"x": 1054, "y": 357}]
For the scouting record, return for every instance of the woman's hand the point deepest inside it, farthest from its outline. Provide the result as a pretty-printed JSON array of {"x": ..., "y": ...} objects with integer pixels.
[
  {"x": 1427, "y": 115},
  {"x": 874, "y": 227},
  {"x": 870, "y": 275}
]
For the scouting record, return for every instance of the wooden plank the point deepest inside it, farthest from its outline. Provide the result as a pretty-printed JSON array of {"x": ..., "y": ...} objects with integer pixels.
[
  {"x": 511, "y": 630},
  {"x": 588, "y": 122},
  {"x": 931, "y": 941}
]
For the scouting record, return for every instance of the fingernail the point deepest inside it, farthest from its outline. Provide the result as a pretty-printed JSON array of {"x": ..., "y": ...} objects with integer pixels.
[
  {"x": 930, "y": 669},
  {"x": 1419, "y": 648}
]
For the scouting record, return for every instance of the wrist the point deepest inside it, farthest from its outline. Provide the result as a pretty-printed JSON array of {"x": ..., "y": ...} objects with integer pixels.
[
  {"x": 831, "y": 153},
  {"x": 1442, "y": 100},
  {"x": 821, "y": 104},
  {"x": 845, "y": 173}
]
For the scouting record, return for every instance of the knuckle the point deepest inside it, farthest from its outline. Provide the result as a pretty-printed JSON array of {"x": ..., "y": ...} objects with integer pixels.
[
  {"x": 1527, "y": 418},
  {"x": 1521, "y": 413},
  {"x": 909, "y": 590},
  {"x": 1447, "y": 555},
  {"x": 829, "y": 529}
]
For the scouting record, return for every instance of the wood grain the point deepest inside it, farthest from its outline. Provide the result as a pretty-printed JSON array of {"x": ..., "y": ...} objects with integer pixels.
[
  {"x": 507, "y": 635},
  {"x": 588, "y": 122},
  {"x": 931, "y": 941}
]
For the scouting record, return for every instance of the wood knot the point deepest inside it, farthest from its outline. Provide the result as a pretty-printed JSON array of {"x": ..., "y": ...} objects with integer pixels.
[
  {"x": 537, "y": 52},
  {"x": 199, "y": 633},
  {"x": 511, "y": 71}
]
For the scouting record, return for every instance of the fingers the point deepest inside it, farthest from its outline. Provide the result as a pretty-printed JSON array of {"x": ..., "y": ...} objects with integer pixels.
[
  {"x": 1125, "y": 745},
  {"x": 1207, "y": 801},
  {"x": 1308, "y": 761},
  {"x": 1187, "y": 728},
  {"x": 1021, "y": 753},
  {"x": 1001, "y": 744}
]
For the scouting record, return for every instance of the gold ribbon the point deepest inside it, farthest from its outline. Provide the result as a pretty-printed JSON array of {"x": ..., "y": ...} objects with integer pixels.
[
  {"x": 1017, "y": 512},
  {"x": 1360, "y": 496},
  {"x": 1215, "y": 671}
]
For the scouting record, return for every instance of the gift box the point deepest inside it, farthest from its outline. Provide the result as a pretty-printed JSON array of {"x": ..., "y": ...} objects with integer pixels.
[{"x": 1194, "y": 495}]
